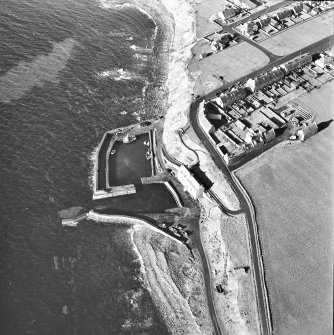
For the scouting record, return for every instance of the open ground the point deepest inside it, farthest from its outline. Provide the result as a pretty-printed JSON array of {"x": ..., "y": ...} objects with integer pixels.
[
  {"x": 231, "y": 64},
  {"x": 291, "y": 188},
  {"x": 301, "y": 36},
  {"x": 205, "y": 9}
]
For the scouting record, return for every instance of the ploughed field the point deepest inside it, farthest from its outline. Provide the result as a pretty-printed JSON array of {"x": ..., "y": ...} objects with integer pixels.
[{"x": 291, "y": 188}]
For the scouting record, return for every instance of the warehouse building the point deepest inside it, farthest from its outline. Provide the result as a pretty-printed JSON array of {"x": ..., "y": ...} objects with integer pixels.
[
  {"x": 204, "y": 122},
  {"x": 190, "y": 184}
]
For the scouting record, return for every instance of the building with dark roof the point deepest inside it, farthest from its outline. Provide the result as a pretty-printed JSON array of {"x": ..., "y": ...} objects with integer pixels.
[
  {"x": 227, "y": 13},
  {"x": 269, "y": 135},
  {"x": 297, "y": 9},
  {"x": 306, "y": 8},
  {"x": 274, "y": 22},
  {"x": 296, "y": 63},
  {"x": 263, "y": 22},
  {"x": 284, "y": 14},
  {"x": 232, "y": 96},
  {"x": 307, "y": 131},
  {"x": 190, "y": 184},
  {"x": 264, "y": 80}
]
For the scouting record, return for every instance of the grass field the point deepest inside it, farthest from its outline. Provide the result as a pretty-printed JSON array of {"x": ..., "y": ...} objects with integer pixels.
[
  {"x": 204, "y": 10},
  {"x": 292, "y": 191},
  {"x": 231, "y": 64},
  {"x": 289, "y": 41}
]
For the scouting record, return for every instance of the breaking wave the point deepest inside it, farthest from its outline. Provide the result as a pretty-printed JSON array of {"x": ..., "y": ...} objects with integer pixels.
[
  {"x": 119, "y": 74},
  {"x": 107, "y": 4}
]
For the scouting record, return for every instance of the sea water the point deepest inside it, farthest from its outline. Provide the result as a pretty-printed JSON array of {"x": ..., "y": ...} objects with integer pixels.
[{"x": 69, "y": 71}]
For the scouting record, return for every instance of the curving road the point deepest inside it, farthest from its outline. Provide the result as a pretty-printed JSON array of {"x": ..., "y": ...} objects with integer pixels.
[
  {"x": 246, "y": 204},
  {"x": 246, "y": 207},
  {"x": 245, "y": 201}
]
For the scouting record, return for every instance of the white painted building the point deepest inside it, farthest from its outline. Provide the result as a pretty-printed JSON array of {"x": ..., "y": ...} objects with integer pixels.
[
  {"x": 190, "y": 184},
  {"x": 324, "y": 61},
  {"x": 307, "y": 131},
  {"x": 203, "y": 121}
]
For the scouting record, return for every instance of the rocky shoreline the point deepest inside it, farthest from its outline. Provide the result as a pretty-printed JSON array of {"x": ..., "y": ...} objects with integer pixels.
[{"x": 168, "y": 269}]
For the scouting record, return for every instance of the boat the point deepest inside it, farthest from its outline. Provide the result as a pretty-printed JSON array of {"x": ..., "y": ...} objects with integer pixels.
[{"x": 112, "y": 152}]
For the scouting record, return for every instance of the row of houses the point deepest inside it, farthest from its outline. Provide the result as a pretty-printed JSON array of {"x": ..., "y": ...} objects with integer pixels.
[
  {"x": 251, "y": 27},
  {"x": 240, "y": 131},
  {"x": 270, "y": 77},
  {"x": 230, "y": 12},
  {"x": 228, "y": 98},
  {"x": 255, "y": 84}
]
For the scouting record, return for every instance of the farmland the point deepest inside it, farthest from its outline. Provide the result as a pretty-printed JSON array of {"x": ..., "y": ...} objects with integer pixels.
[{"x": 291, "y": 189}]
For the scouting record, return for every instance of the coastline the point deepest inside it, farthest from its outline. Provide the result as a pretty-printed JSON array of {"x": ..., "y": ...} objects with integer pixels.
[
  {"x": 174, "y": 98},
  {"x": 181, "y": 301},
  {"x": 240, "y": 312},
  {"x": 167, "y": 268},
  {"x": 179, "y": 83}
]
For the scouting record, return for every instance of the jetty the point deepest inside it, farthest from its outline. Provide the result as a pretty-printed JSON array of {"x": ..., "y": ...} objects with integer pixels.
[
  {"x": 74, "y": 221},
  {"x": 119, "y": 219}
]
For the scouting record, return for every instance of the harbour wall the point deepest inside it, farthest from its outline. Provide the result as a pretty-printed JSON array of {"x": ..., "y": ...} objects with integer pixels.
[
  {"x": 114, "y": 192},
  {"x": 124, "y": 219},
  {"x": 110, "y": 146},
  {"x": 170, "y": 188}
]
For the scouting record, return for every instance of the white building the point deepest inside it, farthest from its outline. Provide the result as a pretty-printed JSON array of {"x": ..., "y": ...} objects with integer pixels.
[
  {"x": 203, "y": 121},
  {"x": 264, "y": 80},
  {"x": 227, "y": 14},
  {"x": 228, "y": 98},
  {"x": 249, "y": 28},
  {"x": 324, "y": 61},
  {"x": 307, "y": 131},
  {"x": 190, "y": 184},
  {"x": 245, "y": 4}
]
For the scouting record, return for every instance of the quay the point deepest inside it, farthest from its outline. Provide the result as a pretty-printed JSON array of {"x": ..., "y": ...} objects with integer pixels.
[
  {"x": 123, "y": 156},
  {"x": 73, "y": 222},
  {"x": 121, "y": 219}
]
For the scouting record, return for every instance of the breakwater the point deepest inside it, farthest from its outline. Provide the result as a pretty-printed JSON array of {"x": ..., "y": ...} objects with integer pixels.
[
  {"x": 115, "y": 191},
  {"x": 73, "y": 222},
  {"x": 125, "y": 219}
]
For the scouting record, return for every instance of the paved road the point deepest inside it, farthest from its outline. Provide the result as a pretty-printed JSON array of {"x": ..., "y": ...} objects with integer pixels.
[
  {"x": 246, "y": 205},
  {"x": 207, "y": 273},
  {"x": 256, "y": 253},
  {"x": 314, "y": 48},
  {"x": 230, "y": 28}
]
